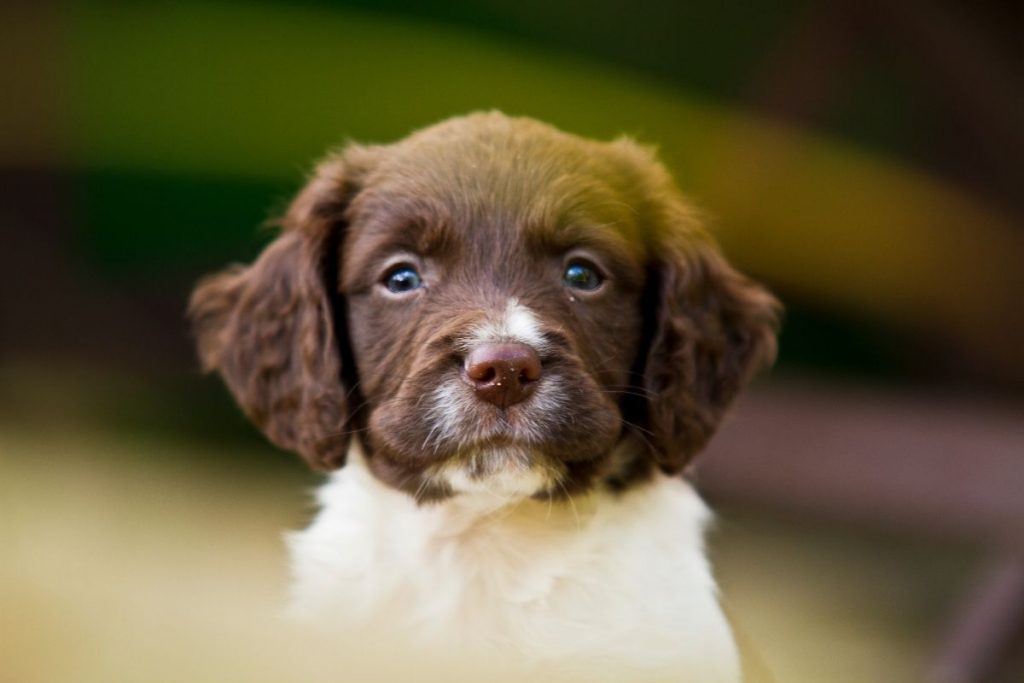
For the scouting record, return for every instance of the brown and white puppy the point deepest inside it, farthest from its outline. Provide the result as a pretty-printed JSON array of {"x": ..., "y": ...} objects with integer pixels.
[{"x": 517, "y": 339}]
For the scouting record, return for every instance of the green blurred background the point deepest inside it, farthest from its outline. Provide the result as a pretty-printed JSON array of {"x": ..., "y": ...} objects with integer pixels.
[{"x": 862, "y": 158}]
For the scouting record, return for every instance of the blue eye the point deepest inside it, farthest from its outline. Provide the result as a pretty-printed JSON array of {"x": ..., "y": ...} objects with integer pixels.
[
  {"x": 403, "y": 279},
  {"x": 582, "y": 276}
]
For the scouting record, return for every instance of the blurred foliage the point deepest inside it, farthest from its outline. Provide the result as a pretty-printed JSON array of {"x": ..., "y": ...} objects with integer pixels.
[
  {"x": 262, "y": 90},
  {"x": 149, "y": 224},
  {"x": 712, "y": 48}
]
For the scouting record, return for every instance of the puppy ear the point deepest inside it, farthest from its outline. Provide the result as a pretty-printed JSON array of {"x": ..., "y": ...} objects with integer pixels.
[
  {"x": 273, "y": 329},
  {"x": 709, "y": 328}
]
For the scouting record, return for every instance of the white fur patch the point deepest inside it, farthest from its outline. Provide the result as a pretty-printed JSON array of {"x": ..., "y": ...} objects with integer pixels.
[
  {"x": 615, "y": 587},
  {"x": 447, "y": 403},
  {"x": 502, "y": 474},
  {"x": 512, "y": 482},
  {"x": 516, "y": 324}
]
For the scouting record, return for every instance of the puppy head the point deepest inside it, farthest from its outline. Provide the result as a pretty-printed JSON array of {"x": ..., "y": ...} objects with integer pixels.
[{"x": 493, "y": 305}]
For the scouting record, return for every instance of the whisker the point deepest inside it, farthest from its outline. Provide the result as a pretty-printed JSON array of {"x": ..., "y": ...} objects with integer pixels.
[
  {"x": 420, "y": 490},
  {"x": 641, "y": 433},
  {"x": 572, "y": 505}
]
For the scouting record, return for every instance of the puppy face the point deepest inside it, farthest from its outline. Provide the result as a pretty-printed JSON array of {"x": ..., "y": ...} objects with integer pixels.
[
  {"x": 488, "y": 243},
  {"x": 493, "y": 305}
]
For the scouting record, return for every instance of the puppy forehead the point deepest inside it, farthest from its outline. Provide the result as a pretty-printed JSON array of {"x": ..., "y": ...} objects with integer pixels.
[
  {"x": 429, "y": 217},
  {"x": 518, "y": 171}
]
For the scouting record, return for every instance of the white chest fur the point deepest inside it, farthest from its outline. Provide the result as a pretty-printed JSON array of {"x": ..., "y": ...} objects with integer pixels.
[{"x": 618, "y": 583}]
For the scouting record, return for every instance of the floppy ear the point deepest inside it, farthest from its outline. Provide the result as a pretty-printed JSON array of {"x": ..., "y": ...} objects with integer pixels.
[
  {"x": 273, "y": 329},
  {"x": 709, "y": 328}
]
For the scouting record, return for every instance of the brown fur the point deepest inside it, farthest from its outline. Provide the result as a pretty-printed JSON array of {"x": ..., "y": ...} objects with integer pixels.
[{"x": 487, "y": 207}]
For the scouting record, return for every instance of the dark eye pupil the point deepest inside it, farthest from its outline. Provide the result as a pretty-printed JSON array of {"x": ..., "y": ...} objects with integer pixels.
[
  {"x": 404, "y": 279},
  {"x": 579, "y": 276}
]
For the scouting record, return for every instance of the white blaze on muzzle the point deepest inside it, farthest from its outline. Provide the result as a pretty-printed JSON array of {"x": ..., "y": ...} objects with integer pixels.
[
  {"x": 516, "y": 323},
  {"x": 505, "y": 471}
]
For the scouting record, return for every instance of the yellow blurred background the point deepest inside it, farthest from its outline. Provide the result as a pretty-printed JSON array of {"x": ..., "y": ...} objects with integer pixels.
[{"x": 864, "y": 159}]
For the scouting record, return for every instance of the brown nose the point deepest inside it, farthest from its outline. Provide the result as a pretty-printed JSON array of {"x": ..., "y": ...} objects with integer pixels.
[{"x": 503, "y": 374}]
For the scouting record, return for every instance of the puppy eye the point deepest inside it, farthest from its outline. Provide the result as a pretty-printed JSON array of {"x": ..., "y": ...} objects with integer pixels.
[
  {"x": 582, "y": 276},
  {"x": 403, "y": 279}
]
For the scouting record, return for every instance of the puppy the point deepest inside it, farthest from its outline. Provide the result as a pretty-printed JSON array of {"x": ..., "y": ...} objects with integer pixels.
[{"x": 507, "y": 343}]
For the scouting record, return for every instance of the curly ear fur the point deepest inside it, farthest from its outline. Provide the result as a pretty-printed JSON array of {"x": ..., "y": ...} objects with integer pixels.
[
  {"x": 273, "y": 329},
  {"x": 709, "y": 328},
  {"x": 713, "y": 329}
]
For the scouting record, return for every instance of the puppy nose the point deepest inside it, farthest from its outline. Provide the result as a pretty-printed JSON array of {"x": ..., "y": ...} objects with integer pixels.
[{"x": 503, "y": 374}]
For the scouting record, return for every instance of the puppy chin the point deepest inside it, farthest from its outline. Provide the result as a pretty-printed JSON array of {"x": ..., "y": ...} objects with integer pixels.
[{"x": 502, "y": 473}]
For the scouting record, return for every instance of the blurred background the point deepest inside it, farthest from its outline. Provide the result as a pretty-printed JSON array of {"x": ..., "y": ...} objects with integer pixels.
[{"x": 863, "y": 158}]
